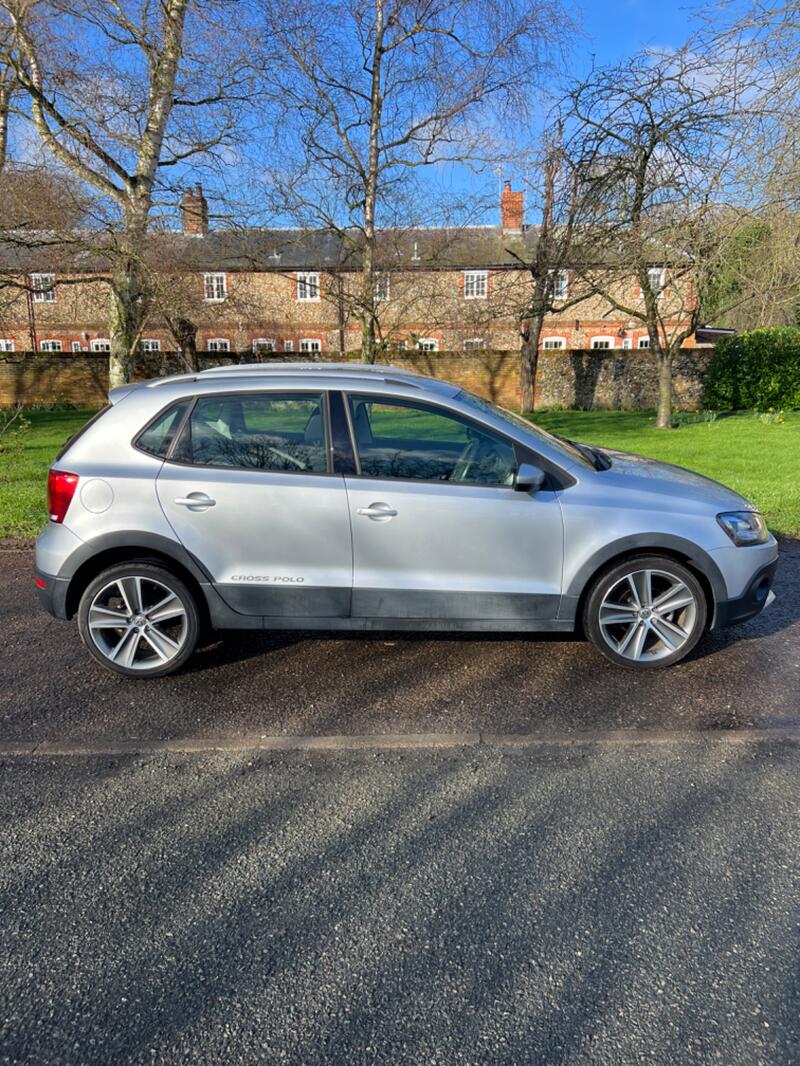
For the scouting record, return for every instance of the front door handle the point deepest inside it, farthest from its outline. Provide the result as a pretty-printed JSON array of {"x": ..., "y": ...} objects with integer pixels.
[
  {"x": 378, "y": 512},
  {"x": 196, "y": 501}
]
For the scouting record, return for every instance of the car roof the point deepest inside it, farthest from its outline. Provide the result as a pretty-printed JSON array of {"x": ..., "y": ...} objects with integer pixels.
[{"x": 249, "y": 376}]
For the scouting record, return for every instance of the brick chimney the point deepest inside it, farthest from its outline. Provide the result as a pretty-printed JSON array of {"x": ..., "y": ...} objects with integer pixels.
[
  {"x": 194, "y": 208},
  {"x": 511, "y": 210}
]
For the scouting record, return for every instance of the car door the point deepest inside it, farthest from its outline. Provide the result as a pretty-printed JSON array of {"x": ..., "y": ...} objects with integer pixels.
[
  {"x": 439, "y": 531},
  {"x": 247, "y": 488}
]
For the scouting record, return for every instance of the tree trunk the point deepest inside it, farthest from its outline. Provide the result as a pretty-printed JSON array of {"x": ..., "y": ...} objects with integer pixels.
[
  {"x": 127, "y": 304},
  {"x": 186, "y": 336},
  {"x": 529, "y": 356},
  {"x": 664, "y": 416}
]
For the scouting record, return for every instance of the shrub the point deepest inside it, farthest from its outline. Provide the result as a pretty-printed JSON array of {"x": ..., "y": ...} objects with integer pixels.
[{"x": 759, "y": 370}]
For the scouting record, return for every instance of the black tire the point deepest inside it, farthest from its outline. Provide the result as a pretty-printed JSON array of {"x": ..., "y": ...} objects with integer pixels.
[
  {"x": 147, "y": 643},
  {"x": 622, "y": 624}
]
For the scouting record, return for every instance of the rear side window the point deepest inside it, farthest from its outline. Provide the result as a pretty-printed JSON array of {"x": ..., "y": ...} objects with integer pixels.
[
  {"x": 158, "y": 436},
  {"x": 273, "y": 431}
]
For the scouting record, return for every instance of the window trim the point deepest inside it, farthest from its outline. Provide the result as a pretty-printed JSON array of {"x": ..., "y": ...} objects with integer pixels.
[
  {"x": 218, "y": 340},
  {"x": 150, "y": 340},
  {"x": 45, "y": 295},
  {"x": 602, "y": 337},
  {"x": 426, "y": 340},
  {"x": 559, "y": 274},
  {"x": 215, "y": 274},
  {"x": 51, "y": 340},
  {"x": 438, "y": 407},
  {"x": 310, "y": 340},
  {"x": 477, "y": 344},
  {"x": 266, "y": 342},
  {"x": 305, "y": 274},
  {"x": 560, "y": 347},
  {"x": 646, "y": 347},
  {"x": 484, "y": 274},
  {"x": 662, "y": 282},
  {"x": 6, "y": 345},
  {"x": 99, "y": 340},
  {"x": 194, "y": 399},
  {"x": 382, "y": 278}
]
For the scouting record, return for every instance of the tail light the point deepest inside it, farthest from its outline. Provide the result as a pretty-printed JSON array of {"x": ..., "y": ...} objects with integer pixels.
[{"x": 60, "y": 490}]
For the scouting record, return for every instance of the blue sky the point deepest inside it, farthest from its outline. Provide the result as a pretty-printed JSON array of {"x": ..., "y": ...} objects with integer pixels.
[{"x": 616, "y": 28}]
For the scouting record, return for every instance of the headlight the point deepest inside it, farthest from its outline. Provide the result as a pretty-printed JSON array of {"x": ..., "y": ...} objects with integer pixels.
[{"x": 744, "y": 527}]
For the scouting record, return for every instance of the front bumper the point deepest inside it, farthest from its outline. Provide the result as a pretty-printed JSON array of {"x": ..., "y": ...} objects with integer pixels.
[{"x": 753, "y": 600}]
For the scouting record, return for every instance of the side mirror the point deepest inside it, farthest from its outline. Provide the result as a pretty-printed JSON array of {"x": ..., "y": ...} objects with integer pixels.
[{"x": 529, "y": 478}]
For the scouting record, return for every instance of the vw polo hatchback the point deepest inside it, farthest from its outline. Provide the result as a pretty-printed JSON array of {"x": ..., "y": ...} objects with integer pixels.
[{"x": 342, "y": 497}]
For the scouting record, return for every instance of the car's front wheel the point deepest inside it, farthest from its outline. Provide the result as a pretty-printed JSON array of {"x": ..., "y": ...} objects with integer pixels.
[
  {"x": 646, "y": 612},
  {"x": 139, "y": 620}
]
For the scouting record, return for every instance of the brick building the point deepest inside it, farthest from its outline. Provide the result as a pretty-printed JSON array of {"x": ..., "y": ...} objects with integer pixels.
[{"x": 285, "y": 290}]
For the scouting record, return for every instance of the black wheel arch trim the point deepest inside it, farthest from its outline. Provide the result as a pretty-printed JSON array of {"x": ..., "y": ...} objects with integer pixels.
[{"x": 647, "y": 542}]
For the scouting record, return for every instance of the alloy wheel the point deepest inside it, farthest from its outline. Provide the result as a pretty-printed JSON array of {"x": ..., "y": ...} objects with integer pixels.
[
  {"x": 138, "y": 623},
  {"x": 647, "y": 615}
]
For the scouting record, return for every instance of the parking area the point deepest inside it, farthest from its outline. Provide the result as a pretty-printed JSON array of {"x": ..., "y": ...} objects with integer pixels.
[{"x": 311, "y": 685}]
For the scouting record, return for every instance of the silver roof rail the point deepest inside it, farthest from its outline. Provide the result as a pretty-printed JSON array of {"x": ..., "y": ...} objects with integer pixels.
[{"x": 354, "y": 369}]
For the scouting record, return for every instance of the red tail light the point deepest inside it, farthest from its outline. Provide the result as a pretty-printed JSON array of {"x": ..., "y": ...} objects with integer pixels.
[{"x": 60, "y": 490}]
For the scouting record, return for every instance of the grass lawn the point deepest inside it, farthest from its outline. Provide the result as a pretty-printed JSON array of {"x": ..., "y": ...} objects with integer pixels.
[{"x": 760, "y": 461}]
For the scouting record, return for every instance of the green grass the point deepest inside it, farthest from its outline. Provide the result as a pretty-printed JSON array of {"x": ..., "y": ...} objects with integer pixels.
[{"x": 760, "y": 461}]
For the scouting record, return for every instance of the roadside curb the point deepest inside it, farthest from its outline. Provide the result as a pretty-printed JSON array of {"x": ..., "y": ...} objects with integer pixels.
[{"x": 393, "y": 742}]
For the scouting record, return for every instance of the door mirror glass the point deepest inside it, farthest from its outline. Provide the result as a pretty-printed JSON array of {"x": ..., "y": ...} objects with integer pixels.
[{"x": 529, "y": 478}]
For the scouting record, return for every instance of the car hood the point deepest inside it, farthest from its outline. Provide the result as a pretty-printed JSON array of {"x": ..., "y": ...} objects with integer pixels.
[{"x": 641, "y": 473}]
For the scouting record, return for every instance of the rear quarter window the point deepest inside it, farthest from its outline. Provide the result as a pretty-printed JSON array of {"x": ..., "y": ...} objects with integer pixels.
[{"x": 157, "y": 437}]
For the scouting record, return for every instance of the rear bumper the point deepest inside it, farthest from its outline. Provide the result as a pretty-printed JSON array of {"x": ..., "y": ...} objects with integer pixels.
[
  {"x": 752, "y": 601},
  {"x": 52, "y": 593}
]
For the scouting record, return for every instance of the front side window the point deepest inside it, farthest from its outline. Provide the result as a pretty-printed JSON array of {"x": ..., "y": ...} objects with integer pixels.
[
  {"x": 273, "y": 431},
  {"x": 404, "y": 439},
  {"x": 43, "y": 286},
  {"x": 215, "y": 287},
  {"x": 476, "y": 284},
  {"x": 158, "y": 436},
  {"x": 50, "y": 346},
  {"x": 308, "y": 286}
]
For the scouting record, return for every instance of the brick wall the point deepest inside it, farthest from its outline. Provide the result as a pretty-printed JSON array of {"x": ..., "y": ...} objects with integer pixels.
[{"x": 600, "y": 379}]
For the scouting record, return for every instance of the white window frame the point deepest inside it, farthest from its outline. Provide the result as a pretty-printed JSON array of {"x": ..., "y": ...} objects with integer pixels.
[
  {"x": 306, "y": 345},
  {"x": 476, "y": 284},
  {"x": 6, "y": 345},
  {"x": 308, "y": 286},
  {"x": 44, "y": 291},
  {"x": 383, "y": 287},
  {"x": 50, "y": 346},
  {"x": 265, "y": 343},
  {"x": 288, "y": 346},
  {"x": 100, "y": 344},
  {"x": 474, "y": 344},
  {"x": 218, "y": 344},
  {"x": 626, "y": 343},
  {"x": 643, "y": 342},
  {"x": 150, "y": 344},
  {"x": 560, "y": 284},
  {"x": 661, "y": 281},
  {"x": 602, "y": 344},
  {"x": 215, "y": 287},
  {"x": 427, "y": 344},
  {"x": 554, "y": 344}
]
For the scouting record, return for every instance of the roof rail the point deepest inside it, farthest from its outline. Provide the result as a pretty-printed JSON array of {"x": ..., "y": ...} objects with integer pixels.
[{"x": 383, "y": 369}]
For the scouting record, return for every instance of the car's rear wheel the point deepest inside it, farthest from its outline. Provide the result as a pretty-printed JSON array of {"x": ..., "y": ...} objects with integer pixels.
[
  {"x": 646, "y": 612},
  {"x": 139, "y": 620}
]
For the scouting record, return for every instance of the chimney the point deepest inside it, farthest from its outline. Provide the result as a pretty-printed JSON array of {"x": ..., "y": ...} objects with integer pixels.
[
  {"x": 511, "y": 210},
  {"x": 194, "y": 208}
]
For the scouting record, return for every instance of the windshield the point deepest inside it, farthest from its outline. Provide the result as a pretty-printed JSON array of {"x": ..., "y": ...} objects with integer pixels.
[{"x": 518, "y": 422}]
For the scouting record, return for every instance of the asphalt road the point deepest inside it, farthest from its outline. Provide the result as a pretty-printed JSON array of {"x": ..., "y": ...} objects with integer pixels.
[
  {"x": 557, "y": 906},
  {"x": 296, "y": 684}
]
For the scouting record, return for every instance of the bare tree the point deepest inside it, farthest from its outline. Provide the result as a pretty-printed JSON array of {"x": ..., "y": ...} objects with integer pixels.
[
  {"x": 374, "y": 90},
  {"x": 158, "y": 91},
  {"x": 654, "y": 141}
]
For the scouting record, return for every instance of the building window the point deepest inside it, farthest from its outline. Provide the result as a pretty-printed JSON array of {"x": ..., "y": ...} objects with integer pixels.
[
  {"x": 76, "y": 346},
  {"x": 559, "y": 280},
  {"x": 602, "y": 342},
  {"x": 101, "y": 345},
  {"x": 215, "y": 287},
  {"x": 474, "y": 344},
  {"x": 476, "y": 284},
  {"x": 308, "y": 286},
  {"x": 626, "y": 343},
  {"x": 218, "y": 344},
  {"x": 644, "y": 342},
  {"x": 552, "y": 344},
  {"x": 6, "y": 346},
  {"x": 382, "y": 287},
  {"x": 150, "y": 345},
  {"x": 288, "y": 346},
  {"x": 263, "y": 344},
  {"x": 43, "y": 288},
  {"x": 310, "y": 344},
  {"x": 50, "y": 346},
  {"x": 398, "y": 346},
  {"x": 655, "y": 279},
  {"x": 427, "y": 344}
]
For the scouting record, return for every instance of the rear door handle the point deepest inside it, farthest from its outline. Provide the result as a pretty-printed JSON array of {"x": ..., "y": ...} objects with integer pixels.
[
  {"x": 197, "y": 500},
  {"x": 377, "y": 511}
]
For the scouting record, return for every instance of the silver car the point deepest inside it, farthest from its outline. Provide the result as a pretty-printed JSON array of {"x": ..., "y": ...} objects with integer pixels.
[{"x": 342, "y": 497}]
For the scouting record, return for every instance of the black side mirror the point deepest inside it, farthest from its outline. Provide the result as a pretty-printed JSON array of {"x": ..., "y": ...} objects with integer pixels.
[{"x": 529, "y": 478}]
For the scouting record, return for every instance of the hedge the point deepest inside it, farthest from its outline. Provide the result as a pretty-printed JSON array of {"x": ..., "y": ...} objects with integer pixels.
[{"x": 757, "y": 370}]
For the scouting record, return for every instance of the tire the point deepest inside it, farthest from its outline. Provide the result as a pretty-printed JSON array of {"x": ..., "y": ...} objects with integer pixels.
[
  {"x": 624, "y": 621},
  {"x": 143, "y": 644}
]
